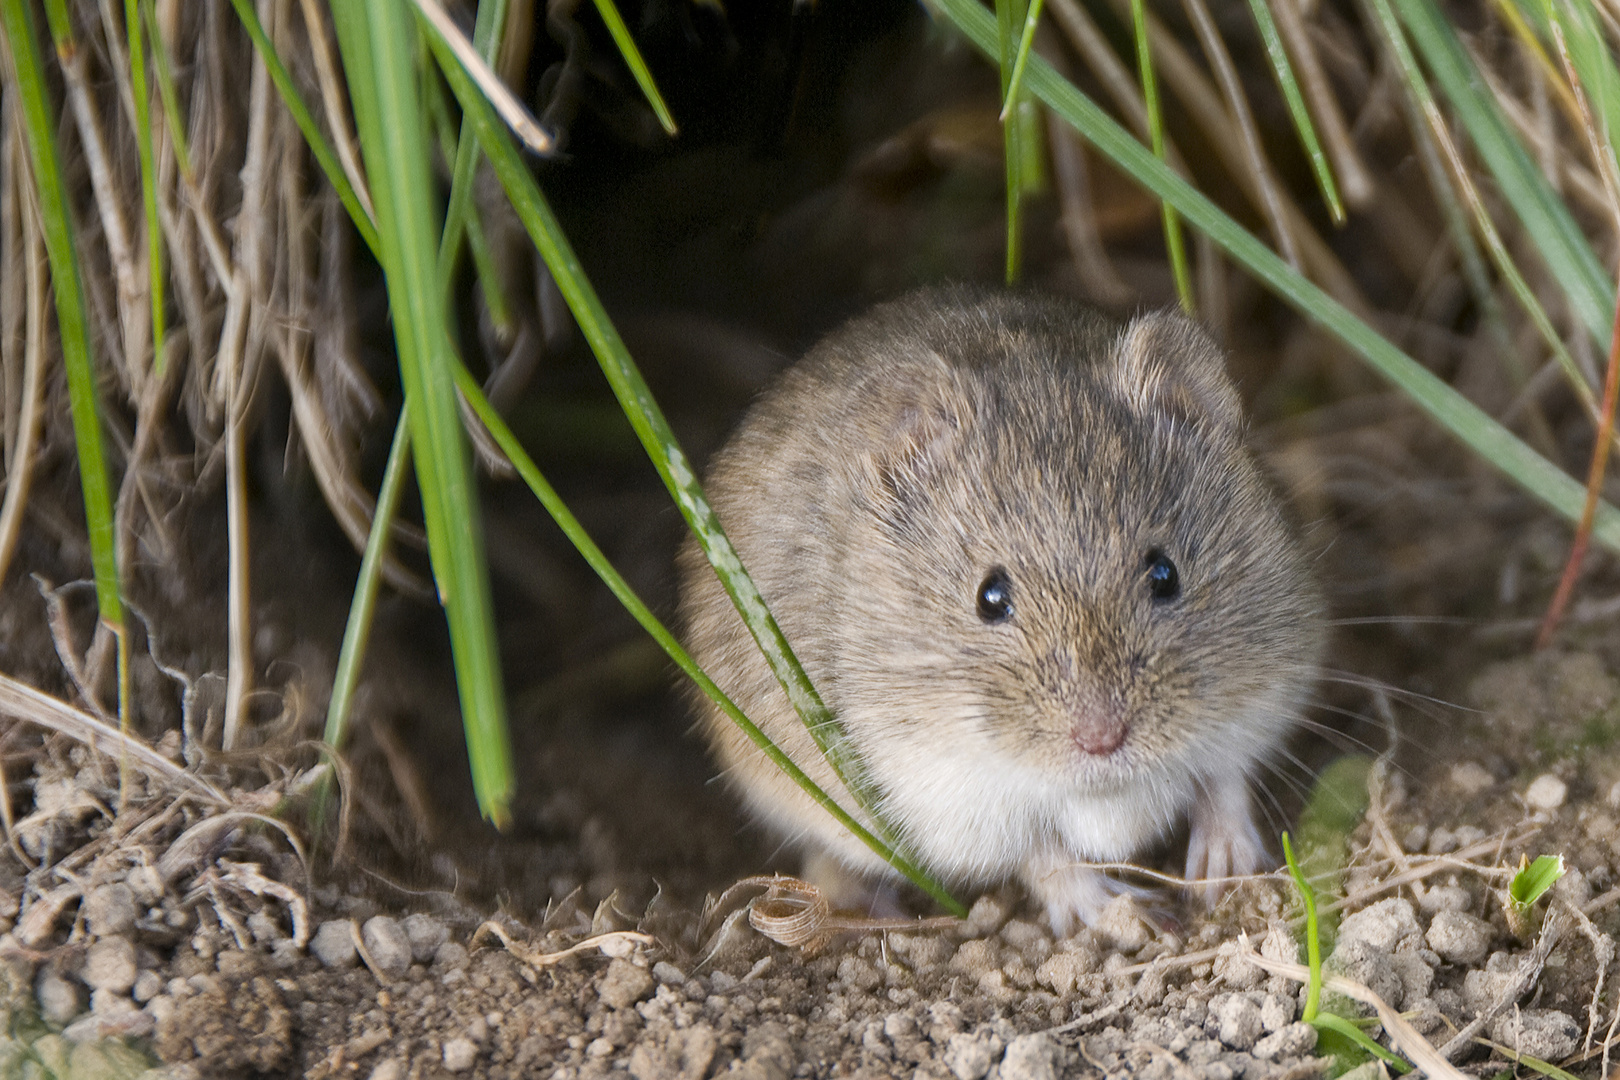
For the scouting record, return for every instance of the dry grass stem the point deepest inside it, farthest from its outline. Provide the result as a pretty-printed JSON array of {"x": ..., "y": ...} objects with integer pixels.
[
  {"x": 513, "y": 111},
  {"x": 333, "y": 103},
  {"x": 613, "y": 943},
  {"x": 31, "y": 411},
  {"x": 22, "y": 702}
]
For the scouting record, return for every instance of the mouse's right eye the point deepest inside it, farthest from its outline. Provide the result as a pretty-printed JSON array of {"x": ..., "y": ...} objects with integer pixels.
[{"x": 995, "y": 597}]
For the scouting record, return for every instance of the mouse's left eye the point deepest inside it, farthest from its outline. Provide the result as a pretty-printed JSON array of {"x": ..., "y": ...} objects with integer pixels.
[
  {"x": 995, "y": 597},
  {"x": 1163, "y": 580}
]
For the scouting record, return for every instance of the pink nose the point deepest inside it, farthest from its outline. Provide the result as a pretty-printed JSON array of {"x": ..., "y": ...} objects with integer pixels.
[{"x": 1098, "y": 733}]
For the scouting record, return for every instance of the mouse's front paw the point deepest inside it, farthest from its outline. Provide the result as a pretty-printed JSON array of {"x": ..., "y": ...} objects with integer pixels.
[
  {"x": 1075, "y": 895},
  {"x": 1222, "y": 842}
]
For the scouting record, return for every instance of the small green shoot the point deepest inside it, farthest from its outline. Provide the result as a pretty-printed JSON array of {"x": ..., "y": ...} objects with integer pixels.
[
  {"x": 638, "y": 66},
  {"x": 1010, "y": 16},
  {"x": 1337, "y": 1034},
  {"x": 1529, "y": 885}
]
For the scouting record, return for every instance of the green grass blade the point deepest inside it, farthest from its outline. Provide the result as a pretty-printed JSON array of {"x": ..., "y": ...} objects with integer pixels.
[
  {"x": 325, "y": 156},
  {"x": 149, "y": 194},
  {"x": 1009, "y": 15},
  {"x": 1174, "y": 245},
  {"x": 1313, "y": 940},
  {"x": 656, "y": 437},
  {"x": 167, "y": 94},
  {"x": 1417, "y": 88},
  {"x": 1534, "y": 879},
  {"x": 1026, "y": 41},
  {"x": 638, "y": 610},
  {"x": 1457, "y": 414},
  {"x": 368, "y": 584},
  {"x": 1284, "y": 71},
  {"x": 378, "y": 46},
  {"x": 1594, "y": 68},
  {"x": 56, "y": 210},
  {"x": 638, "y": 66},
  {"x": 1348, "y": 1031},
  {"x": 1545, "y": 218}
]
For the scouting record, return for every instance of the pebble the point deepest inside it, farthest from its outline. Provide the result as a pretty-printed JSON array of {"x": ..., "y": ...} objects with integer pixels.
[
  {"x": 624, "y": 984},
  {"x": 1365, "y": 963},
  {"x": 1030, "y": 1057},
  {"x": 425, "y": 934},
  {"x": 1383, "y": 925},
  {"x": 1546, "y": 792},
  {"x": 1547, "y": 1034},
  {"x": 451, "y": 956},
  {"x": 1239, "y": 1018},
  {"x": 1121, "y": 922},
  {"x": 1293, "y": 1040},
  {"x": 387, "y": 945},
  {"x": 460, "y": 1054},
  {"x": 58, "y": 997},
  {"x": 1446, "y": 898},
  {"x": 109, "y": 910},
  {"x": 333, "y": 944},
  {"x": 986, "y": 915},
  {"x": 109, "y": 964},
  {"x": 666, "y": 972},
  {"x": 1061, "y": 971},
  {"x": 148, "y": 985},
  {"x": 1458, "y": 937},
  {"x": 389, "y": 1069},
  {"x": 969, "y": 1055},
  {"x": 1471, "y": 777}
]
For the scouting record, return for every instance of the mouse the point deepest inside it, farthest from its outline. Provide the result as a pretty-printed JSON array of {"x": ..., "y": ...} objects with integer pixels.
[{"x": 1025, "y": 556}]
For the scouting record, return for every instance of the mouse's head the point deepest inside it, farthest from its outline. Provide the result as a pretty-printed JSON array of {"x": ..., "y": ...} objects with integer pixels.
[{"x": 1067, "y": 558}]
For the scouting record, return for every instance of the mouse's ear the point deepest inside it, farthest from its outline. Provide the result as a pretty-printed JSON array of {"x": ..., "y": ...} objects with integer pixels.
[
  {"x": 918, "y": 426},
  {"x": 1165, "y": 362}
]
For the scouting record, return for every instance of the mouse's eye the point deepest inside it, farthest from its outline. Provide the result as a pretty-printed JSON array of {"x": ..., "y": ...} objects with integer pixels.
[
  {"x": 1163, "y": 580},
  {"x": 995, "y": 597}
]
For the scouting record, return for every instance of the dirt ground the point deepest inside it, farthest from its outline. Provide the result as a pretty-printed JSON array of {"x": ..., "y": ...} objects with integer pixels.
[{"x": 150, "y": 923}]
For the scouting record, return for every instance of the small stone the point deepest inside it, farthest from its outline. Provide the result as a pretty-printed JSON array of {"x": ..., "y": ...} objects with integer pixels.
[
  {"x": 1061, "y": 971},
  {"x": 1365, "y": 963},
  {"x": 1030, "y": 1057},
  {"x": 451, "y": 956},
  {"x": 976, "y": 957},
  {"x": 459, "y": 1054},
  {"x": 58, "y": 997},
  {"x": 1235, "y": 969},
  {"x": 1276, "y": 1012},
  {"x": 389, "y": 1069},
  {"x": 899, "y": 1027},
  {"x": 109, "y": 1003},
  {"x": 1471, "y": 777},
  {"x": 969, "y": 1055},
  {"x": 1416, "y": 837},
  {"x": 1613, "y": 797},
  {"x": 110, "y": 910},
  {"x": 624, "y": 984},
  {"x": 858, "y": 972},
  {"x": 1459, "y": 938},
  {"x": 1482, "y": 986},
  {"x": 387, "y": 945},
  {"x": 1239, "y": 1018},
  {"x": 986, "y": 915},
  {"x": 109, "y": 964},
  {"x": 1540, "y": 1033},
  {"x": 148, "y": 985},
  {"x": 333, "y": 944},
  {"x": 1294, "y": 1040},
  {"x": 426, "y": 934},
  {"x": 1446, "y": 898},
  {"x": 1121, "y": 922},
  {"x": 1383, "y": 925},
  {"x": 599, "y": 1048},
  {"x": 1546, "y": 792},
  {"x": 666, "y": 972}
]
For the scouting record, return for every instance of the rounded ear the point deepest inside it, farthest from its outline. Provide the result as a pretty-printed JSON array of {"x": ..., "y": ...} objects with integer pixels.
[
  {"x": 917, "y": 426},
  {"x": 1166, "y": 363}
]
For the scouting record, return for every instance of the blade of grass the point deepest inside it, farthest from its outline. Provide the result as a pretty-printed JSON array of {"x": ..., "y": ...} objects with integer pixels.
[
  {"x": 1284, "y": 71},
  {"x": 1457, "y": 414},
  {"x": 638, "y": 610},
  {"x": 325, "y": 157},
  {"x": 368, "y": 584},
  {"x": 149, "y": 194},
  {"x": 1009, "y": 16},
  {"x": 1417, "y": 89},
  {"x": 1173, "y": 242},
  {"x": 1594, "y": 492},
  {"x": 378, "y": 47},
  {"x": 167, "y": 94},
  {"x": 1348, "y": 1031},
  {"x": 638, "y": 66},
  {"x": 1313, "y": 941},
  {"x": 39, "y": 128},
  {"x": 73, "y": 332},
  {"x": 662, "y": 447},
  {"x": 1545, "y": 218},
  {"x": 512, "y": 110},
  {"x": 1026, "y": 41}
]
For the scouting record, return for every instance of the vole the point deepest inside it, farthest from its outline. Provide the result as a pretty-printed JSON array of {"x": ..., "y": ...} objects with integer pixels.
[{"x": 1025, "y": 557}]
